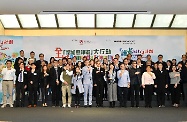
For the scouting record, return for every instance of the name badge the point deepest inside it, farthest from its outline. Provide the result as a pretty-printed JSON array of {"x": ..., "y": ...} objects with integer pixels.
[
  {"x": 101, "y": 71},
  {"x": 35, "y": 73},
  {"x": 25, "y": 72}
]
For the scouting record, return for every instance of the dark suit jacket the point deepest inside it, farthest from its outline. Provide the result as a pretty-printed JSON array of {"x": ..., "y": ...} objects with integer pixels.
[
  {"x": 133, "y": 76},
  {"x": 183, "y": 63},
  {"x": 98, "y": 78},
  {"x": 38, "y": 64},
  {"x": 184, "y": 75},
  {"x": 16, "y": 65},
  {"x": 53, "y": 76},
  {"x": 25, "y": 76},
  {"x": 161, "y": 78},
  {"x": 35, "y": 77},
  {"x": 44, "y": 80}
]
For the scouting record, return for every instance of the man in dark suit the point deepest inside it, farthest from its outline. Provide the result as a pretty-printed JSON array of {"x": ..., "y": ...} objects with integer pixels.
[
  {"x": 21, "y": 53},
  {"x": 55, "y": 83},
  {"x": 129, "y": 57},
  {"x": 183, "y": 62},
  {"x": 98, "y": 80},
  {"x": 39, "y": 62},
  {"x": 34, "y": 79},
  {"x": 161, "y": 83},
  {"x": 21, "y": 84},
  {"x": 160, "y": 60}
]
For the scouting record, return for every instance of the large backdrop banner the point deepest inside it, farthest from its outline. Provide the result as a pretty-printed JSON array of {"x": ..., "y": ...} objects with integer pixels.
[{"x": 91, "y": 46}]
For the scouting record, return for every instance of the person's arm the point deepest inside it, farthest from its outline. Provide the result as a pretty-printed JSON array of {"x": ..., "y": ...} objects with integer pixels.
[
  {"x": 61, "y": 77},
  {"x": 118, "y": 75},
  {"x": 128, "y": 77},
  {"x": 14, "y": 76},
  {"x": 143, "y": 79},
  {"x": 131, "y": 73}
]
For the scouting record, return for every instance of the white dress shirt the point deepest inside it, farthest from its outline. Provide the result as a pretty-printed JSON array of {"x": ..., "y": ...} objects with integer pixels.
[{"x": 9, "y": 74}]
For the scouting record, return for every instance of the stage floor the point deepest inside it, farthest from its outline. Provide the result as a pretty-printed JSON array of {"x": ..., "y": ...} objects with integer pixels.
[{"x": 105, "y": 114}]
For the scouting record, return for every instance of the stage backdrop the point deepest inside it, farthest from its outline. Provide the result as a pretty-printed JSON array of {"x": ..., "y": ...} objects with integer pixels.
[{"x": 91, "y": 46}]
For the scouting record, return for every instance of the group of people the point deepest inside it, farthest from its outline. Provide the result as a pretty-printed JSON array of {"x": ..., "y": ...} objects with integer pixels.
[{"x": 118, "y": 80}]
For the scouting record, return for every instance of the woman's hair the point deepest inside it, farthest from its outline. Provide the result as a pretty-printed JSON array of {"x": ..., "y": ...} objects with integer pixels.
[
  {"x": 43, "y": 68},
  {"x": 110, "y": 65}
]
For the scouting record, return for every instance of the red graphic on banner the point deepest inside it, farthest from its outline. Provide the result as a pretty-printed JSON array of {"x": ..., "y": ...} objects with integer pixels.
[{"x": 58, "y": 52}]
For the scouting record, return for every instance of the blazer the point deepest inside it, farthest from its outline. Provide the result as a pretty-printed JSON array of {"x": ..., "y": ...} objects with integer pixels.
[
  {"x": 98, "y": 78},
  {"x": 133, "y": 76},
  {"x": 35, "y": 77},
  {"x": 16, "y": 65},
  {"x": 183, "y": 75},
  {"x": 44, "y": 80},
  {"x": 161, "y": 78},
  {"x": 25, "y": 76},
  {"x": 77, "y": 82},
  {"x": 53, "y": 77},
  {"x": 38, "y": 64},
  {"x": 87, "y": 76}
]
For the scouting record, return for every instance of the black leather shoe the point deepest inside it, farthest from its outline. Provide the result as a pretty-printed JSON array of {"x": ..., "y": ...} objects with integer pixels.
[
  {"x": 85, "y": 106},
  {"x": 90, "y": 106}
]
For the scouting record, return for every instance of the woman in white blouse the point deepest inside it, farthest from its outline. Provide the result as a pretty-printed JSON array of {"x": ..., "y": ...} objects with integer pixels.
[{"x": 148, "y": 84}]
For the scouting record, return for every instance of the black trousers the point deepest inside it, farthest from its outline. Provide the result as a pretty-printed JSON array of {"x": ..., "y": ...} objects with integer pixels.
[
  {"x": 33, "y": 94},
  {"x": 175, "y": 94},
  {"x": 99, "y": 94},
  {"x": 44, "y": 94},
  {"x": 161, "y": 96},
  {"x": 135, "y": 89},
  {"x": 77, "y": 96},
  {"x": 123, "y": 92},
  {"x": 141, "y": 93},
  {"x": 20, "y": 94},
  {"x": 56, "y": 89},
  {"x": 105, "y": 90},
  {"x": 148, "y": 94}
]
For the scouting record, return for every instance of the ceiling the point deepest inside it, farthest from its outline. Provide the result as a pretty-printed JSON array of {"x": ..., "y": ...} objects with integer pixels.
[{"x": 37, "y": 6}]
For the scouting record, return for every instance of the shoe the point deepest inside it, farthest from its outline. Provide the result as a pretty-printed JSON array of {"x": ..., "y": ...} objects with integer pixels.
[
  {"x": 34, "y": 105},
  {"x": 11, "y": 106},
  {"x": 29, "y": 106},
  {"x": 137, "y": 106},
  {"x": 90, "y": 106},
  {"x": 69, "y": 106},
  {"x": 97, "y": 106},
  {"x": 43, "y": 105},
  {"x": 53, "y": 106},
  {"x": 3, "y": 106},
  {"x": 163, "y": 106},
  {"x": 159, "y": 106},
  {"x": 64, "y": 106},
  {"x": 85, "y": 106},
  {"x": 176, "y": 105}
]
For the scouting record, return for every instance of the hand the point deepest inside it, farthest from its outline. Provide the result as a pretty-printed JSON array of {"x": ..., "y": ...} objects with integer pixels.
[
  {"x": 47, "y": 86},
  {"x": 65, "y": 82},
  {"x": 97, "y": 71},
  {"x": 155, "y": 86},
  {"x": 95, "y": 84},
  {"x": 57, "y": 82},
  {"x": 14, "y": 85},
  {"x": 143, "y": 86},
  {"x": 128, "y": 86},
  {"x": 31, "y": 82},
  {"x": 166, "y": 86},
  {"x": 72, "y": 87},
  {"x": 25, "y": 86},
  {"x": 175, "y": 85},
  {"x": 136, "y": 73}
]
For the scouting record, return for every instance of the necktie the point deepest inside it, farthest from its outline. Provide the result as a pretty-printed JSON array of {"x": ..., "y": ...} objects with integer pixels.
[
  {"x": 20, "y": 76},
  {"x": 56, "y": 73}
]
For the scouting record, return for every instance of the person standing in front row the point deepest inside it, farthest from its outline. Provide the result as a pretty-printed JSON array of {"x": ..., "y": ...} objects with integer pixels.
[
  {"x": 135, "y": 76},
  {"x": 88, "y": 83},
  {"x": 44, "y": 84},
  {"x": 161, "y": 83},
  {"x": 34, "y": 79},
  {"x": 77, "y": 86},
  {"x": 124, "y": 84},
  {"x": 98, "y": 79},
  {"x": 148, "y": 84},
  {"x": 66, "y": 78},
  {"x": 112, "y": 85},
  {"x": 55, "y": 83},
  {"x": 21, "y": 84},
  {"x": 9, "y": 79},
  {"x": 175, "y": 86}
]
